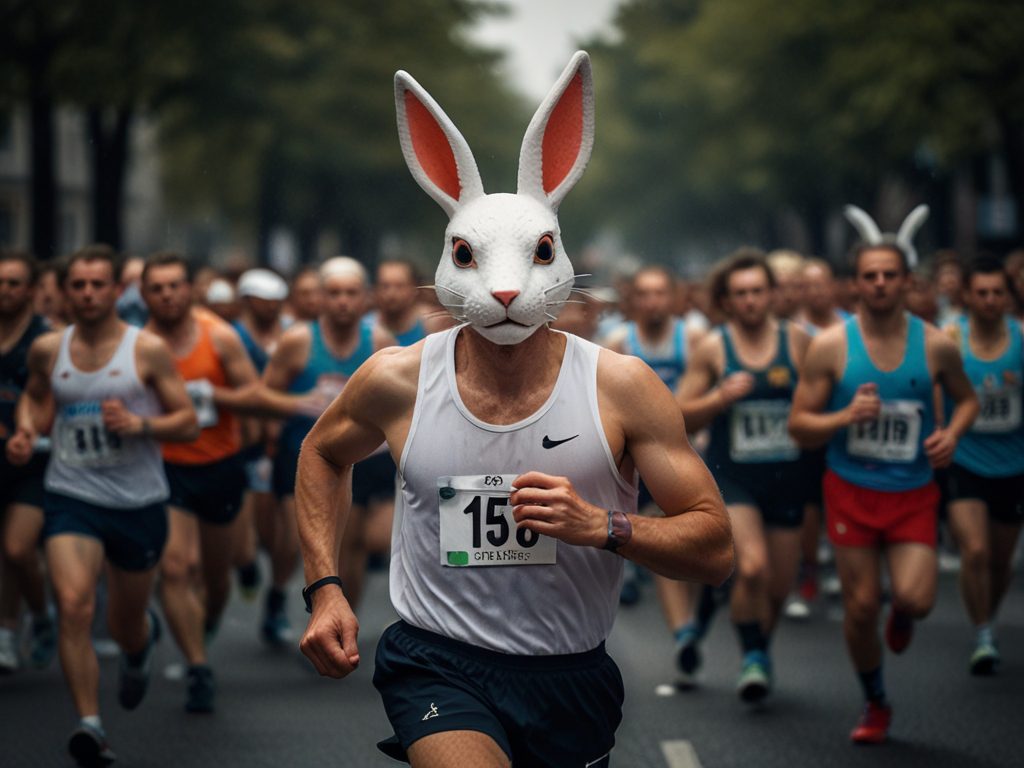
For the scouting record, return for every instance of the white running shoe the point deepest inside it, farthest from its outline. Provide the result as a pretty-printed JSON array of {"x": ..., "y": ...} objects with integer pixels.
[{"x": 10, "y": 661}]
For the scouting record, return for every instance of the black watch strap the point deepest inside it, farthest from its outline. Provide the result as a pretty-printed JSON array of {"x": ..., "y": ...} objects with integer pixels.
[{"x": 307, "y": 592}]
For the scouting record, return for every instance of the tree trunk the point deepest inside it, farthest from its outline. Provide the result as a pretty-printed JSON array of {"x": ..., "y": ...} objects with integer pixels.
[
  {"x": 1013, "y": 144},
  {"x": 268, "y": 214},
  {"x": 43, "y": 173},
  {"x": 109, "y": 140}
]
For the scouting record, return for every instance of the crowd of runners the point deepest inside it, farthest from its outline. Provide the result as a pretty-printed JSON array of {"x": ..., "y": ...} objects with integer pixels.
[{"x": 152, "y": 414}]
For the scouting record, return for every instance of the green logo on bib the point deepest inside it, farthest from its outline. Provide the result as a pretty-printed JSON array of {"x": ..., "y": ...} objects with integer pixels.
[
  {"x": 458, "y": 558},
  {"x": 447, "y": 493}
]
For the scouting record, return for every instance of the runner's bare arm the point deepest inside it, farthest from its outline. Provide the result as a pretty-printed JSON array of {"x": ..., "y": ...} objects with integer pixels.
[
  {"x": 694, "y": 539},
  {"x": 697, "y": 395},
  {"x": 240, "y": 393},
  {"x": 809, "y": 424},
  {"x": 35, "y": 409},
  {"x": 351, "y": 428},
  {"x": 177, "y": 423},
  {"x": 944, "y": 359},
  {"x": 286, "y": 362}
]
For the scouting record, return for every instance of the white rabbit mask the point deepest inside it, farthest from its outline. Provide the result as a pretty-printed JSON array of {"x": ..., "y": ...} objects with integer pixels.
[
  {"x": 503, "y": 268},
  {"x": 904, "y": 239}
]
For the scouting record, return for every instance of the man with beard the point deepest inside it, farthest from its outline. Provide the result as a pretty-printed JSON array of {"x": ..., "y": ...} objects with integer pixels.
[
  {"x": 740, "y": 381},
  {"x": 867, "y": 390},
  {"x": 110, "y": 392},
  {"x": 207, "y": 476},
  {"x": 21, "y": 488}
]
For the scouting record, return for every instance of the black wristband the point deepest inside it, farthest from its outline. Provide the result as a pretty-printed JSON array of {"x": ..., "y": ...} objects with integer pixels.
[{"x": 307, "y": 592}]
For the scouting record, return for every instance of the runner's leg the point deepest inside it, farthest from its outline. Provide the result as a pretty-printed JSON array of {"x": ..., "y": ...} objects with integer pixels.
[
  {"x": 968, "y": 520},
  {"x": 441, "y": 750},
  {"x": 179, "y": 573}
]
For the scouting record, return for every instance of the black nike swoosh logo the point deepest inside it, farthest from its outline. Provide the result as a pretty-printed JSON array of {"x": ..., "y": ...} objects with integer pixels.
[{"x": 547, "y": 442}]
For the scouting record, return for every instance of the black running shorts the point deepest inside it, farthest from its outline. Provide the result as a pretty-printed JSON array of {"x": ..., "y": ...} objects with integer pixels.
[
  {"x": 541, "y": 710},
  {"x": 1004, "y": 496},
  {"x": 212, "y": 492}
]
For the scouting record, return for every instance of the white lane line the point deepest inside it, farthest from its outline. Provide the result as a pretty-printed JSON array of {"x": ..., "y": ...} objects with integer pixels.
[{"x": 680, "y": 754}]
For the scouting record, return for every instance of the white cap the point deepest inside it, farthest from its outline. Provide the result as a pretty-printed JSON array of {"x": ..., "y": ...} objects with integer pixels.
[
  {"x": 220, "y": 292},
  {"x": 262, "y": 284}
]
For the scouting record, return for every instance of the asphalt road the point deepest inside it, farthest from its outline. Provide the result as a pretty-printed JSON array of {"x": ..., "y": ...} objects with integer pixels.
[{"x": 273, "y": 710}]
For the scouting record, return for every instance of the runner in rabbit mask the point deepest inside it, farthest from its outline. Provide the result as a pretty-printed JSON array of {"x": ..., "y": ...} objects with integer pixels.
[{"x": 518, "y": 449}]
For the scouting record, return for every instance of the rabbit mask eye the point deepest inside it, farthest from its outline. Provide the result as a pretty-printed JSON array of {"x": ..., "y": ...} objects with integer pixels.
[
  {"x": 544, "y": 253},
  {"x": 462, "y": 254}
]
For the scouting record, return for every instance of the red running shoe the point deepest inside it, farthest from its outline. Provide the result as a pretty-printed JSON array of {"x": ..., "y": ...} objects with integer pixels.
[
  {"x": 899, "y": 630},
  {"x": 873, "y": 726},
  {"x": 809, "y": 588}
]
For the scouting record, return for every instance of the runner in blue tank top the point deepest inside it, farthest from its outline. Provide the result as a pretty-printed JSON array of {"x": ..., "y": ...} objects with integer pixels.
[
  {"x": 664, "y": 343},
  {"x": 741, "y": 380},
  {"x": 985, "y": 485},
  {"x": 866, "y": 389},
  {"x": 398, "y": 311},
  {"x": 307, "y": 371}
]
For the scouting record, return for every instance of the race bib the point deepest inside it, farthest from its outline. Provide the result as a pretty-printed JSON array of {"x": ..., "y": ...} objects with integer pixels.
[
  {"x": 893, "y": 437},
  {"x": 1000, "y": 410},
  {"x": 83, "y": 441},
  {"x": 201, "y": 393},
  {"x": 477, "y": 528},
  {"x": 759, "y": 432}
]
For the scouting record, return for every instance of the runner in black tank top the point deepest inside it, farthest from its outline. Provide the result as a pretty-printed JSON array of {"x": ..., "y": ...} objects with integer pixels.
[{"x": 741, "y": 380}]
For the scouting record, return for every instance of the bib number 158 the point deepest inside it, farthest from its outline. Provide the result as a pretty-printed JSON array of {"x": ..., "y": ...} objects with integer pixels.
[{"x": 496, "y": 523}]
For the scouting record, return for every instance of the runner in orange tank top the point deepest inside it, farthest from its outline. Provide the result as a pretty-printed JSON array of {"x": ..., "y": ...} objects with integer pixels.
[{"x": 207, "y": 476}]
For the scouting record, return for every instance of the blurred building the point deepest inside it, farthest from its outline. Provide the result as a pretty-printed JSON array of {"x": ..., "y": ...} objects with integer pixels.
[{"x": 144, "y": 215}]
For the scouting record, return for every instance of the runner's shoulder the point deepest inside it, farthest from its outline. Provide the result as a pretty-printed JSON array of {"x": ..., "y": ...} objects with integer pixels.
[
  {"x": 938, "y": 342},
  {"x": 43, "y": 349},
  {"x": 390, "y": 374}
]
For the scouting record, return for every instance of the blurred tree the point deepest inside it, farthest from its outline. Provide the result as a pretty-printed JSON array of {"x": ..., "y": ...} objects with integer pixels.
[
  {"x": 715, "y": 116},
  {"x": 272, "y": 113}
]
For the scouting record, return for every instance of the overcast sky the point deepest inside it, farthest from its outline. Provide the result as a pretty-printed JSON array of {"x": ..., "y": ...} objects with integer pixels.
[{"x": 541, "y": 35}]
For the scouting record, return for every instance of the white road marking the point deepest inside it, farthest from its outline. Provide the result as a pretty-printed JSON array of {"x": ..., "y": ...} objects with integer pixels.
[{"x": 680, "y": 754}]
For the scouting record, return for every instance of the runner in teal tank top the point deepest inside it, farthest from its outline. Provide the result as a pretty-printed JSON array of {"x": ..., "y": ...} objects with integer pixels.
[
  {"x": 306, "y": 372},
  {"x": 741, "y": 381},
  {"x": 866, "y": 389},
  {"x": 985, "y": 485}
]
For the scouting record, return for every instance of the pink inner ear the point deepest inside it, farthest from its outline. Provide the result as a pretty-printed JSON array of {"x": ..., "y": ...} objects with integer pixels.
[
  {"x": 563, "y": 135},
  {"x": 431, "y": 147}
]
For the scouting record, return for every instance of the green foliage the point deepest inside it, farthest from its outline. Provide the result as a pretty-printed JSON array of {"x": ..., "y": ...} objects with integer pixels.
[{"x": 713, "y": 116}]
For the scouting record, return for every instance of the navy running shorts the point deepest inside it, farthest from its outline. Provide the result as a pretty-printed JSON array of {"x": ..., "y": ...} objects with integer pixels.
[
  {"x": 133, "y": 539},
  {"x": 373, "y": 479},
  {"x": 541, "y": 710},
  {"x": 212, "y": 492},
  {"x": 1004, "y": 496},
  {"x": 774, "y": 489}
]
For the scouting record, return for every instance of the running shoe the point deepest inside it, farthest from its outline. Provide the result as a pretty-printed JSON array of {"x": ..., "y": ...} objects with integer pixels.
[
  {"x": 249, "y": 581},
  {"x": 9, "y": 658},
  {"x": 899, "y": 630},
  {"x": 755, "y": 677},
  {"x": 134, "y": 677},
  {"x": 277, "y": 630},
  {"x": 873, "y": 726},
  {"x": 43, "y": 644},
  {"x": 985, "y": 659},
  {"x": 89, "y": 747},
  {"x": 200, "y": 689},
  {"x": 809, "y": 587},
  {"x": 688, "y": 649},
  {"x": 797, "y": 608}
]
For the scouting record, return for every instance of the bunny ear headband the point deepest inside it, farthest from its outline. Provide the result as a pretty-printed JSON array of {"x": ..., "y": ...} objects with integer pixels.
[
  {"x": 904, "y": 239},
  {"x": 555, "y": 151}
]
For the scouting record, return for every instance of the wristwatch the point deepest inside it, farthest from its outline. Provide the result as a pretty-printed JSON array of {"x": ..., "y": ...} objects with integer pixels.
[{"x": 620, "y": 530}]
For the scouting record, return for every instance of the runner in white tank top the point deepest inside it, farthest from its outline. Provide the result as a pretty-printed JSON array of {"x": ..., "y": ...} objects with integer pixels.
[{"x": 111, "y": 392}]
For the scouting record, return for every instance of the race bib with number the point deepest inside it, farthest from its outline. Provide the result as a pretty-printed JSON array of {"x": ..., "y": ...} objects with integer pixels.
[
  {"x": 759, "y": 432},
  {"x": 893, "y": 437},
  {"x": 477, "y": 528},
  {"x": 201, "y": 393},
  {"x": 83, "y": 441},
  {"x": 1000, "y": 410}
]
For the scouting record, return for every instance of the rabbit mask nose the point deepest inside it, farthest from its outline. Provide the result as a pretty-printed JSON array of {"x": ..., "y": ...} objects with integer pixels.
[{"x": 505, "y": 297}]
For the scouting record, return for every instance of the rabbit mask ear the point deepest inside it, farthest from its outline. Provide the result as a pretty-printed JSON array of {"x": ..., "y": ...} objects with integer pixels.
[
  {"x": 909, "y": 227},
  {"x": 864, "y": 224},
  {"x": 437, "y": 155},
  {"x": 560, "y": 137}
]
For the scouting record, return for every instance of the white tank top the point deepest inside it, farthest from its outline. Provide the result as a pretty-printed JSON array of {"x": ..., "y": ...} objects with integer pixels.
[
  {"x": 88, "y": 462},
  {"x": 459, "y": 566}
]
